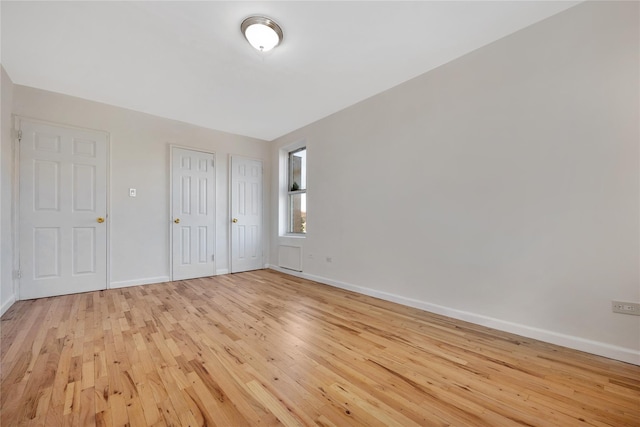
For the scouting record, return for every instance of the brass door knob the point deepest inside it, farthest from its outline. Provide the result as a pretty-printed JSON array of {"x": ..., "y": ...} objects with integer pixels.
[
  {"x": 234, "y": 220},
  {"x": 100, "y": 220},
  {"x": 177, "y": 220}
]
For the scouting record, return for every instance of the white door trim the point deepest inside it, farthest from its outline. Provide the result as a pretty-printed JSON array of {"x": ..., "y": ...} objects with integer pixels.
[
  {"x": 15, "y": 208},
  {"x": 15, "y": 220},
  {"x": 170, "y": 217}
]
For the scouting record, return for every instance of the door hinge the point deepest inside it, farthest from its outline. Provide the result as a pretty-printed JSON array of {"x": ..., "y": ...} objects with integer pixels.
[
  {"x": 213, "y": 257},
  {"x": 213, "y": 163},
  {"x": 17, "y": 274},
  {"x": 19, "y": 135}
]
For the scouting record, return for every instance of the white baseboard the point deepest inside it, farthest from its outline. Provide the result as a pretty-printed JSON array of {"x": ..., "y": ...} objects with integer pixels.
[
  {"x": 594, "y": 347},
  {"x": 151, "y": 280},
  {"x": 142, "y": 281},
  {"x": 7, "y": 304}
]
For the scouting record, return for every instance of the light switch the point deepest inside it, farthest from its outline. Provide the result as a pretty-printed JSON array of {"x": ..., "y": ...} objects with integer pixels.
[{"x": 132, "y": 192}]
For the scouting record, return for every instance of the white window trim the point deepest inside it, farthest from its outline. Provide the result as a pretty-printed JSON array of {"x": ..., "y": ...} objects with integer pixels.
[{"x": 283, "y": 190}]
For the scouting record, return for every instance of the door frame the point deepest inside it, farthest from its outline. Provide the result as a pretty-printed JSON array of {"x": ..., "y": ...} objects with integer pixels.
[
  {"x": 230, "y": 210},
  {"x": 215, "y": 206},
  {"x": 15, "y": 200}
]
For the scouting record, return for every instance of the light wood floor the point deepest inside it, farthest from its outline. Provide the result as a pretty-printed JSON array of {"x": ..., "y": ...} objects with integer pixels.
[{"x": 263, "y": 348}]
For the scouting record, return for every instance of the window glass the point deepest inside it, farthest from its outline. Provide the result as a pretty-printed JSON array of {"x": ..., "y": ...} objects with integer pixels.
[
  {"x": 297, "y": 167},
  {"x": 297, "y": 191},
  {"x": 298, "y": 211}
]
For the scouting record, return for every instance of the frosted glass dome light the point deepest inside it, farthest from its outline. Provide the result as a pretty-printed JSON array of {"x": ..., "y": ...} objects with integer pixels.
[{"x": 261, "y": 32}]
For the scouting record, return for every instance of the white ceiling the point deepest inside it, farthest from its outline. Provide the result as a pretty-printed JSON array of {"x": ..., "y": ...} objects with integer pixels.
[{"x": 188, "y": 61}]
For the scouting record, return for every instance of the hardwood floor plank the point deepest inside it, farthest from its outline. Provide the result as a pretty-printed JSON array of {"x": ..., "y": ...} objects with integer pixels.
[
  {"x": 273, "y": 405},
  {"x": 262, "y": 348}
]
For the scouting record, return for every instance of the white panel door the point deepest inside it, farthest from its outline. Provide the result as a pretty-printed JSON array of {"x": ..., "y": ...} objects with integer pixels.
[
  {"x": 193, "y": 195},
  {"x": 246, "y": 214},
  {"x": 63, "y": 210}
]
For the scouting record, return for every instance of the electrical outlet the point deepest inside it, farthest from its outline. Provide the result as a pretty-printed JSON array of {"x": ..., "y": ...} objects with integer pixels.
[
  {"x": 132, "y": 192},
  {"x": 626, "y": 307}
]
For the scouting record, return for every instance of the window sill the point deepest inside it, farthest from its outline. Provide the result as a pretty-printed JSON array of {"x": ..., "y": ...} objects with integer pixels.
[{"x": 294, "y": 236}]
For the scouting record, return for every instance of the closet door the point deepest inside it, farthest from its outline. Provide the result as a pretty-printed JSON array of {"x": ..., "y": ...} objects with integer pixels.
[
  {"x": 246, "y": 214},
  {"x": 193, "y": 213}
]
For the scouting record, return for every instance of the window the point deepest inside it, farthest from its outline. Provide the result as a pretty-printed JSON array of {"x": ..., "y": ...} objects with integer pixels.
[{"x": 297, "y": 191}]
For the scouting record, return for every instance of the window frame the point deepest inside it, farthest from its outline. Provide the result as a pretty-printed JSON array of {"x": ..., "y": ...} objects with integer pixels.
[{"x": 291, "y": 193}]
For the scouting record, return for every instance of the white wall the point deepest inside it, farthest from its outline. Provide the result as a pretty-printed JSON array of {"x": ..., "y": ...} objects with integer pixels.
[
  {"x": 7, "y": 295},
  {"x": 139, "y": 158},
  {"x": 501, "y": 188}
]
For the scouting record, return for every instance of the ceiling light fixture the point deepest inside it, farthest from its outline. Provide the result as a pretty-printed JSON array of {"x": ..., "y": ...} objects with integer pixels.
[{"x": 261, "y": 32}]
